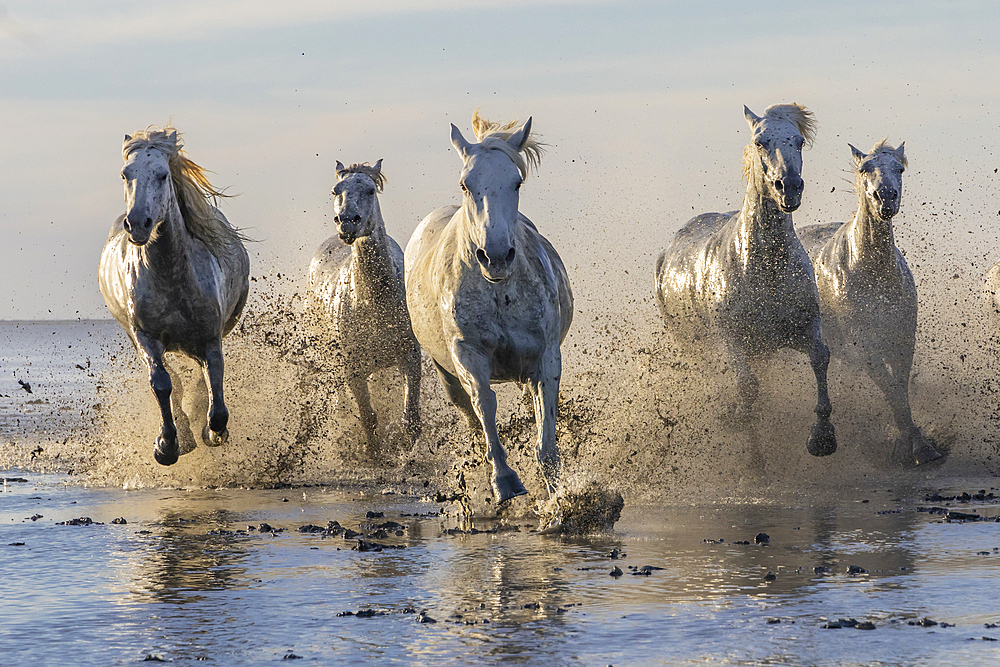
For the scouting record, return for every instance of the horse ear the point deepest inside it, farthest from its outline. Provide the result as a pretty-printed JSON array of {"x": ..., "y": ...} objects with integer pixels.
[
  {"x": 859, "y": 156},
  {"x": 378, "y": 165},
  {"x": 128, "y": 138},
  {"x": 752, "y": 118},
  {"x": 339, "y": 169},
  {"x": 520, "y": 138},
  {"x": 173, "y": 137},
  {"x": 459, "y": 142},
  {"x": 899, "y": 152}
]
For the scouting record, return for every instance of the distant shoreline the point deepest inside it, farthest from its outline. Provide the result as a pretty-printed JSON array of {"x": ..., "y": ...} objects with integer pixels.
[{"x": 58, "y": 321}]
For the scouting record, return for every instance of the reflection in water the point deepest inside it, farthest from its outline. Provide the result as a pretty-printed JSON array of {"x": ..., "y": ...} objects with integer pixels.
[{"x": 110, "y": 594}]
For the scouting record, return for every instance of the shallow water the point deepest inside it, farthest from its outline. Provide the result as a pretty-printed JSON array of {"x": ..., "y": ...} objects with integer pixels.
[{"x": 164, "y": 585}]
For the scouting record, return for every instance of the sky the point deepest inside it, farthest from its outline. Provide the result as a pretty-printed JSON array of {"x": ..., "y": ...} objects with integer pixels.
[{"x": 640, "y": 103}]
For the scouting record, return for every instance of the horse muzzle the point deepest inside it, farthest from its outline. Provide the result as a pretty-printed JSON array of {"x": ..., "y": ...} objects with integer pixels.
[
  {"x": 139, "y": 234},
  {"x": 495, "y": 269},
  {"x": 789, "y": 193}
]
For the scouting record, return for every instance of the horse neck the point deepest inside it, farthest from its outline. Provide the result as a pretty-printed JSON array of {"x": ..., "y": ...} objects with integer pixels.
[
  {"x": 870, "y": 239},
  {"x": 764, "y": 229},
  {"x": 169, "y": 252},
  {"x": 370, "y": 255}
]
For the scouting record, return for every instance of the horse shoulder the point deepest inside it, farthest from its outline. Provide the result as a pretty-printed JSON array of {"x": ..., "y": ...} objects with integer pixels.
[
  {"x": 549, "y": 266},
  {"x": 427, "y": 234},
  {"x": 815, "y": 237},
  {"x": 325, "y": 272}
]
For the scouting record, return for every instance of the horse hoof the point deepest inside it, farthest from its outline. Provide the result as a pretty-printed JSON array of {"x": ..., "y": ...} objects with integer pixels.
[
  {"x": 213, "y": 439},
  {"x": 508, "y": 486},
  {"x": 925, "y": 452},
  {"x": 823, "y": 440},
  {"x": 166, "y": 451}
]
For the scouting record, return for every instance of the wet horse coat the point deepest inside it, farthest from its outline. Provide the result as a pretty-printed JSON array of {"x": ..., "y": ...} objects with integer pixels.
[
  {"x": 174, "y": 274},
  {"x": 743, "y": 278},
  {"x": 489, "y": 297},
  {"x": 356, "y": 291},
  {"x": 867, "y": 294}
]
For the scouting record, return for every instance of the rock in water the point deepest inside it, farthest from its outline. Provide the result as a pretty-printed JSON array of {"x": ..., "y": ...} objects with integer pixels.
[{"x": 591, "y": 510}]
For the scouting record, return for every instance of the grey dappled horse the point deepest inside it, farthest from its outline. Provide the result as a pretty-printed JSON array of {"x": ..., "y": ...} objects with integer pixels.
[
  {"x": 356, "y": 289},
  {"x": 743, "y": 277},
  {"x": 489, "y": 297},
  {"x": 174, "y": 273},
  {"x": 867, "y": 295}
]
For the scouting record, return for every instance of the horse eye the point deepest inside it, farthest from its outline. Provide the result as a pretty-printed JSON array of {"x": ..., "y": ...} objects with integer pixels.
[
  {"x": 124, "y": 177},
  {"x": 758, "y": 144},
  {"x": 518, "y": 186},
  {"x": 462, "y": 185}
]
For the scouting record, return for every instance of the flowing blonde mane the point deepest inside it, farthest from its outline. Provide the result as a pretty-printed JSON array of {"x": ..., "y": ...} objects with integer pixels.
[
  {"x": 366, "y": 169},
  {"x": 196, "y": 196},
  {"x": 493, "y": 136},
  {"x": 794, "y": 113}
]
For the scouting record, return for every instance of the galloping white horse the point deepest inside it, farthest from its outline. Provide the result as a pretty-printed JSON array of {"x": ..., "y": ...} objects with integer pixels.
[
  {"x": 356, "y": 287},
  {"x": 866, "y": 291},
  {"x": 743, "y": 277},
  {"x": 489, "y": 297},
  {"x": 174, "y": 273}
]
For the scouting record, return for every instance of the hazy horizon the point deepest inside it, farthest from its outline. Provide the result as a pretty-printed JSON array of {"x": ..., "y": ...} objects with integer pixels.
[{"x": 640, "y": 103}]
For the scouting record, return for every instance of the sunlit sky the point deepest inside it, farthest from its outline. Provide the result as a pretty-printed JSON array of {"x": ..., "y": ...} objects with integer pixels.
[{"x": 640, "y": 103}]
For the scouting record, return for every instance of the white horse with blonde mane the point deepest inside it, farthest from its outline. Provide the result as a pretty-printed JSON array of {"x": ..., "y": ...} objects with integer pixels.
[
  {"x": 174, "y": 273},
  {"x": 866, "y": 291},
  {"x": 742, "y": 278},
  {"x": 489, "y": 298},
  {"x": 356, "y": 290}
]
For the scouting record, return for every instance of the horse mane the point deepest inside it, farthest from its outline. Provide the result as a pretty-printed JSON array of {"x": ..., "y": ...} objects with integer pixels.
[
  {"x": 366, "y": 169},
  {"x": 195, "y": 193},
  {"x": 797, "y": 115},
  {"x": 494, "y": 135},
  {"x": 884, "y": 146}
]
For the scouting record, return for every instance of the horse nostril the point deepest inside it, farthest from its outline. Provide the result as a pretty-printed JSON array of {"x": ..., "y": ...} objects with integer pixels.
[
  {"x": 779, "y": 185},
  {"x": 510, "y": 256},
  {"x": 148, "y": 223},
  {"x": 481, "y": 257}
]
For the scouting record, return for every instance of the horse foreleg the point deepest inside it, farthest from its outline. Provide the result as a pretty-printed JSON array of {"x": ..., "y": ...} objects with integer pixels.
[
  {"x": 411, "y": 395},
  {"x": 545, "y": 391},
  {"x": 822, "y": 440},
  {"x": 167, "y": 450},
  {"x": 215, "y": 432},
  {"x": 357, "y": 381},
  {"x": 747, "y": 384},
  {"x": 474, "y": 373},
  {"x": 459, "y": 398}
]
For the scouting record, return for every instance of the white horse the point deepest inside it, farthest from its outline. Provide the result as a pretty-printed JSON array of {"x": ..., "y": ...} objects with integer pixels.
[
  {"x": 356, "y": 288},
  {"x": 174, "y": 273},
  {"x": 489, "y": 297},
  {"x": 743, "y": 277},
  {"x": 867, "y": 294}
]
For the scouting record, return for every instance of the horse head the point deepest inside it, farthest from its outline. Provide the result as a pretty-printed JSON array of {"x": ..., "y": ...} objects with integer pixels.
[
  {"x": 491, "y": 179},
  {"x": 879, "y": 178},
  {"x": 775, "y": 154},
  {"x": 355, "y": 201},
  {"x": 149, "y": 189}
]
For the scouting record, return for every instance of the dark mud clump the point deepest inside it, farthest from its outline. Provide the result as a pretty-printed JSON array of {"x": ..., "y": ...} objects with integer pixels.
[{"x": 593, "y": 510}]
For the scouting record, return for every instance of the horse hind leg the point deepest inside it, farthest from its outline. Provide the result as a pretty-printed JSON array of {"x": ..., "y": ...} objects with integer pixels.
[
  {"x": 357, "y": 381},
  {"x": 167, "y": 450},
  {"x": 215, "y": 432},
  {"x": 895, "y": 386},
  {"x": 411, "y": 395}
]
